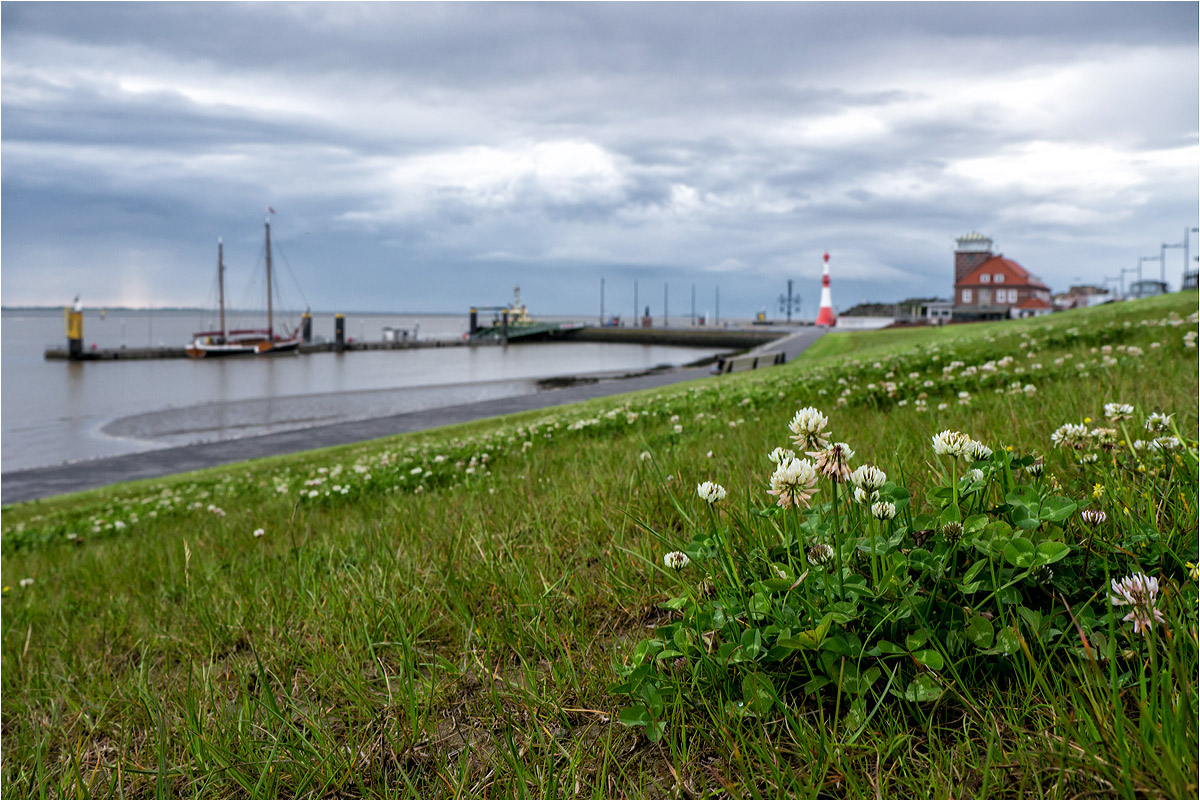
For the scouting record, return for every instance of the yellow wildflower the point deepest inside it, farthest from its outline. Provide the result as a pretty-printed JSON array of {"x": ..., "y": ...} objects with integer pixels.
[{"x": 1098, "y": 491}]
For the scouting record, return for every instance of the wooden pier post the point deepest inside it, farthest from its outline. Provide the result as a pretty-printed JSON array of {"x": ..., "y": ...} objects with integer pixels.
[{"x": 339, "y": 332}]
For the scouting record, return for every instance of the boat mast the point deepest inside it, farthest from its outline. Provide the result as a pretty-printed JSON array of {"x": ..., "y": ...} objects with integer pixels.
[
  {"x": 270, "y": 309},
  {"x": 221, "y": 285}
]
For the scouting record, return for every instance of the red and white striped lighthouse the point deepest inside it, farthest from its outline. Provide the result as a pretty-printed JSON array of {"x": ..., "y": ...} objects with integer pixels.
[{"x": 825, "y": 315}]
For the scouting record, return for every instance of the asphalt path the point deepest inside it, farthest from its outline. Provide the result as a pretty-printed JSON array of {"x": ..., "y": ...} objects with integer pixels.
[{"x": 44, "y": 482}]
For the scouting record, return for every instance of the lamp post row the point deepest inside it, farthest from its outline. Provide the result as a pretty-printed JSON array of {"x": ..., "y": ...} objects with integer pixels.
[{"x": 1161, "y": 258}]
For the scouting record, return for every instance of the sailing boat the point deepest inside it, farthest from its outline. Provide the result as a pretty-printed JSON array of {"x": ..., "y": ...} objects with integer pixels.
[{"x": 242, "y": 341}]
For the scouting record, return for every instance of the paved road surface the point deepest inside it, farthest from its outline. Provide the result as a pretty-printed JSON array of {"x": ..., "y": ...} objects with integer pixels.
[{"x": 43, "y": 482}]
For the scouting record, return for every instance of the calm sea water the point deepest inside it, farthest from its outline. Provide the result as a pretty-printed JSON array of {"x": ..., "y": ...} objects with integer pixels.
[{"x": 55, "y": 411}]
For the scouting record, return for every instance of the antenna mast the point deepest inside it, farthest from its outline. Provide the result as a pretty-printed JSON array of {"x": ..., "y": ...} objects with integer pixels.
[
  {"x": 270, "y": 308},
  {"x": 221, "y": 285}
]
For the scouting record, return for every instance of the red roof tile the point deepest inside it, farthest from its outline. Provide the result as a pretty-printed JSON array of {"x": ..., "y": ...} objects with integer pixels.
[
  {"x": 1032, "y": 303},
  {"x": 1014, "y": 275}
]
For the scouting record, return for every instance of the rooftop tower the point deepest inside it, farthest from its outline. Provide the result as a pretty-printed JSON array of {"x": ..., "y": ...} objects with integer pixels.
[{"x": 973, "y": 250}]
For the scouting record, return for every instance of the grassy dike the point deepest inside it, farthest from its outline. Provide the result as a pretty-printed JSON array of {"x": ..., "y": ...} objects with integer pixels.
[{"x": 465, "y": 612}]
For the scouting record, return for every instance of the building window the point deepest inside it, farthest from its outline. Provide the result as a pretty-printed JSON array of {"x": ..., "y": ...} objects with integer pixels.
[
  {"x": 998, "y": 278},
  {"x": 983, "y": 278},
  {"x": 966, "y": 296},
  {"x": 1012, "y": 296}
]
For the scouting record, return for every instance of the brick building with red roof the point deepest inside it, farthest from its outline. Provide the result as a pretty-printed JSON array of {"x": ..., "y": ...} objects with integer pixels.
[{"x": 988, "y": 286}]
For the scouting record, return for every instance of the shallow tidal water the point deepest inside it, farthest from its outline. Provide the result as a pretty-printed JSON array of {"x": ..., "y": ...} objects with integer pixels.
[{"x": 57, "y": 411}]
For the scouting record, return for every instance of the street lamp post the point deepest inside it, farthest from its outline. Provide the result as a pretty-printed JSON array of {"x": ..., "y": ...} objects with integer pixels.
[
  {"x": 1183, "y": 245},
  {"x": 1142, "y": 259},
  {"x": 1128, "y": 270}
]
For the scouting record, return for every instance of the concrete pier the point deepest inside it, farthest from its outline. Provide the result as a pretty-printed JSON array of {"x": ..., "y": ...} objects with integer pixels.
[
  {"x": 719, "y": 338},
  {"x": 715, "y": 338},
  {"x": 116, "y": 354}
]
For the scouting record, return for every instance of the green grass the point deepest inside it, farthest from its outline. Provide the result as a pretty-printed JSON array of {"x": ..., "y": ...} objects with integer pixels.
[{"x": 459, "y": 630}]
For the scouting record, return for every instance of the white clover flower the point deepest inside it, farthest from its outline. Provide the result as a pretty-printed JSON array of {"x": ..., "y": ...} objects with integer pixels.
[
  {"x": 883, "y": 510},
  {"x": 1165, "y": 444},
  {"x": 258, "y": 532},
  {"x": 1118, "y": 411},
  {"x": 1140, "y": 592},
  {"x": 807, "y": 427},
  {"x": 973, "y": 476},
  {"x": 26, "y": 582},
  {"x": 864, "y": 496},
  {"x": 708, "y": 491},
  {"x": 676, "y": 560},
  {"x": 678, "y": 428},
  {"x": 780, "y": 455},
  {"x": 793, "y": 483},
  {"x": 978, "y": 452},
  {"x": 950, "y": 443},
  {"x": 1105, "y": 438},
  {"x": 868, "y": 477},
  {"x": 820, "y": 554},
  {"x": 1093, "y": 517},
  {"x": 1157, "y": 421},
  {"x": 834, "y": 461},
  {"x": 1071, "y": 435}
]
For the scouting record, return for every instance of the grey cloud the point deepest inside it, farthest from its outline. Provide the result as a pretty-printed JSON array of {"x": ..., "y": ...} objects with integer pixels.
[{"x": 705, "y": 96}]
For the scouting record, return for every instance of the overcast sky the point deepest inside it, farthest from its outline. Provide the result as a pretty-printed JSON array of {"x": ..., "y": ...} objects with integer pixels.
[{"x": 425, "y": 157}]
